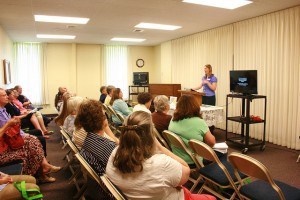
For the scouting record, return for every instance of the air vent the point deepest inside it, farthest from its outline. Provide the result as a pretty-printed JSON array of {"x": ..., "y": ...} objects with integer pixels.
[
  {"x": 138, "y": 30},
  {"x": 70, "y": 26}
]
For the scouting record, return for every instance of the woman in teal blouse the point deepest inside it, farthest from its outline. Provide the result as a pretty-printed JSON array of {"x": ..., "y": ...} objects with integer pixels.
[{"x": 119, "y": 105}]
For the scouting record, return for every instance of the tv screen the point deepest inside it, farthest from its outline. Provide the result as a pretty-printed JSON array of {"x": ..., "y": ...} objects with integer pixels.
[
  {"x": 140, "y": 78},
  {"x": 243, "y": 81}
]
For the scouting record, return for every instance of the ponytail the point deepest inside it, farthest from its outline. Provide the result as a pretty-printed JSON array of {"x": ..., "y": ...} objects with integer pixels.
[{"x": 136, "y": 144}]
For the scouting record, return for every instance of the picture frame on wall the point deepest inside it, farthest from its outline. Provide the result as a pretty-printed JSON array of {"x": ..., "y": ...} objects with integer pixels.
[{"x": 7, "y": 71}]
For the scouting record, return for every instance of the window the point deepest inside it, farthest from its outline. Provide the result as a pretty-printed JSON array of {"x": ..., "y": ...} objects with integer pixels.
[
  {"x": 28, "y": 60},
  {"x": 115, "y": 62}
]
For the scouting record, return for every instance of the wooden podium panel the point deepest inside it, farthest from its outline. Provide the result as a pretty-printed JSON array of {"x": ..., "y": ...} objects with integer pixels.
[
  {"x": 198, "y": 95},
  {"x": 165, "y": 89}
]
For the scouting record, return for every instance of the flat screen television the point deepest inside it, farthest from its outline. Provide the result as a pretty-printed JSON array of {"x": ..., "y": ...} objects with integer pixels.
[
  {"x": 243, "y": 81},
  {"x": 140, "y": 78}
]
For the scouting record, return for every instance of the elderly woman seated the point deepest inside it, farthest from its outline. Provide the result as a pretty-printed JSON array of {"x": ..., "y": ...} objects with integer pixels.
[
  {"x": 160, "y": 117},
  {"x": 31, "y": 153},
  {"x": 73, "y": 104}
]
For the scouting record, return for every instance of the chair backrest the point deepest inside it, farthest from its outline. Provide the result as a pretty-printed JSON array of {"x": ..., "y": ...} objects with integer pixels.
[
  {"x": 65, "y": 134},
  {"x": 111, "y": 110},
  {"x": 176, "y": 141},
  {"x": 120, "y": 117},
  {"x": 89, "y": 169},
  {"x": 254, "y": 168},
  {"x": 160, "y": 138},
  {"x": 203, "y": 150},
  {"x": 112, "y": 188},
  {"x": 105, "y": 107},
  {"x": 73, "y": 146}
]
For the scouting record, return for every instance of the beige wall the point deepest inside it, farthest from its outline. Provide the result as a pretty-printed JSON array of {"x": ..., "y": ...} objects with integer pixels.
[
  {"x": 6, "y": 52},
  {"x": 148, "y": 55},
  {"x": 79, "y": 67},
  {"x": 88, "y": 70}
]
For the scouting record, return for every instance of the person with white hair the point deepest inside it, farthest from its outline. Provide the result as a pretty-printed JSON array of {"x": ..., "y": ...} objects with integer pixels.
[{"x": 160, "y": 117}]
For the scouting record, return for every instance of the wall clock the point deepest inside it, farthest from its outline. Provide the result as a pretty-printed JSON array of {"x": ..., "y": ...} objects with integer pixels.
[{"x": 140, "y": 63}]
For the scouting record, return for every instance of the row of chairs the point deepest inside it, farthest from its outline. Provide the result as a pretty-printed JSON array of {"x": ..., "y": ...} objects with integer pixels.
[
  {"x": 221, "y": 175},
  {"x": 73, "y": 157},
  {"x": 109, "y": 111}
]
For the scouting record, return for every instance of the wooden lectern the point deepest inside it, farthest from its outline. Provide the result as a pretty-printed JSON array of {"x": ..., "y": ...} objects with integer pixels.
[{"x": 198, "y": 95}]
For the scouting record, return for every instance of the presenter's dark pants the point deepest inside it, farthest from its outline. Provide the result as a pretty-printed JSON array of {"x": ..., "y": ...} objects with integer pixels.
[{"x": 209, "y": 100}]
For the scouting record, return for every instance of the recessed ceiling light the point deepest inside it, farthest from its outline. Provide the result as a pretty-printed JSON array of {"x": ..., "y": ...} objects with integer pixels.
[
  {"x": 59, "y": 19},
  {"x": 69, "y": 37},
  {"x": 157, "y": 26},
  {"x": 128, "y": 39},
  {"x": 227, "y": 4}
]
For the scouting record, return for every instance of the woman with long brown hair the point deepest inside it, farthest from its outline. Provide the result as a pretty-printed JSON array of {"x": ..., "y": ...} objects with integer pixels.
[
  {"x": 143, "y": 169},
  {"x": 188, "y": 124},
  {"x": 119, "y": 105},
  {"x": 59, "y": 120}
]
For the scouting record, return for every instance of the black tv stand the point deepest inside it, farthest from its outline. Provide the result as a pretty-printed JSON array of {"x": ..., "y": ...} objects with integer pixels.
[{"x": 245, "y": 119}]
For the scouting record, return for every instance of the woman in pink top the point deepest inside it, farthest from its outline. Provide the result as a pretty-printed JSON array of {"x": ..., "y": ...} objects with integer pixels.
[{"x": 23, "y": 110}]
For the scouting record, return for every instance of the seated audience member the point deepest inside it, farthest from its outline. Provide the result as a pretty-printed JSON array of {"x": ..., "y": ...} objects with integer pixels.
[
  {"x": 103, "y": 94},
  {"x": 119, "y": 105},
  {"x": 23, "y": 99},
  {"x": 26, "y": 103},
  {"x": 143, "y": 169},
  {"x": 188, "y": 124},
  {"x": 32, "y": 154},
  {"x": 96, "y": 148},
  {"x": 59, "y": 120},
  {"x": 160, "y": 117},
  {"x": 109, "y": 91},
  {"x": 144, "y": 102},
  {"x": 59, "y": 97},
  {"x": 9, "y": 191},
  {"x": 72, "y": 108},
  {"x": 38, "y": 114},
  {"x": 79, "y": 135},
  {"x": 27, "y": 119}
]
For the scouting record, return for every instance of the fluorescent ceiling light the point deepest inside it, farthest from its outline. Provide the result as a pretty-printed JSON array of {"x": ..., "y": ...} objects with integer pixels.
[
  {"x": 127, "y": 39},
  {"x": 157, "y": 26},
  {"x": 59, "y": 19},
  {"x": 227, "y": 4},
  {"x": 69, "y": 37}
]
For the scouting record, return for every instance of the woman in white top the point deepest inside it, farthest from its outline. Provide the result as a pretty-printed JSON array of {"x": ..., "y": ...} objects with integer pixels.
[
  {"x": 144, "y": 102},
  {"x": 143, "y": 169}
]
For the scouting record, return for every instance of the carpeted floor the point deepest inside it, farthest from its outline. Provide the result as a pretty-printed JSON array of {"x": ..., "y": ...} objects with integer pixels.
[{"x": 280, "y": 161}]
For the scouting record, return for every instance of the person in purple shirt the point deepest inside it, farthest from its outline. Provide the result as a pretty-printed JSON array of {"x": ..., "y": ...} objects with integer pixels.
[
  {"x": 209, "y": 84},
  {"x": 31, "y": 153}
]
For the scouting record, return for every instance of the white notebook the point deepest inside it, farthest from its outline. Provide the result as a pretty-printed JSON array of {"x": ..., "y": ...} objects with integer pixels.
[{"x": 221, "y": 147}]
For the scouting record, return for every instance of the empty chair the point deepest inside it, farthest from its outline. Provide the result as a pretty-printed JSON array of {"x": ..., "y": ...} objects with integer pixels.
[
  {"x": 219, "y": 173},
  {"x": 265, "y": 187}
]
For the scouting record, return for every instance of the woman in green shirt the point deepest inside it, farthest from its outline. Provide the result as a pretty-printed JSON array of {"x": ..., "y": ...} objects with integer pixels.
[{"x": 188, "y": 124}]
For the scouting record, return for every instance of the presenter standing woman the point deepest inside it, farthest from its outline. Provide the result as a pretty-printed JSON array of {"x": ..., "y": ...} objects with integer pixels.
[{"x": 209, "y": 84}]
